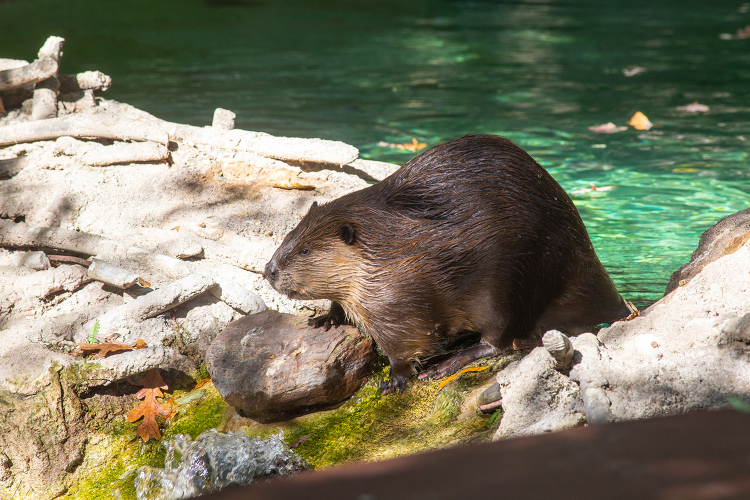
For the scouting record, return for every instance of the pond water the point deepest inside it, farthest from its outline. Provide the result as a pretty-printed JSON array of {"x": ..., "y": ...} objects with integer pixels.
[{"x": 539, "y": 72}]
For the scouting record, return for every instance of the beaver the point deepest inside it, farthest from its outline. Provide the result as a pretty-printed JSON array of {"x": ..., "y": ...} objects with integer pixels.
[{"x": 470, "y": 236}]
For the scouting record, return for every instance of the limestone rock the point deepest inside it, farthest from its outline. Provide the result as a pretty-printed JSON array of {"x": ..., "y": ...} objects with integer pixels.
[
  {"x": 684, "y": 353},
  {"x": 274, "y": 366},
  {"x": 721, "y": 239},
  {"x": 536, "y": 398}
]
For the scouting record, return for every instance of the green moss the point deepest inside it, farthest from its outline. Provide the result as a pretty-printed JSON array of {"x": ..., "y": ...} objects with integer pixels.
[
  {"x": 201, "y": 373},
  {"x": 372, "y": 427},
  {"x": 198, "y": 415},
  {"x": 367, "y": 427},
  {"x": 116, "y": 453},
  {"x": 110, "y": 465}
]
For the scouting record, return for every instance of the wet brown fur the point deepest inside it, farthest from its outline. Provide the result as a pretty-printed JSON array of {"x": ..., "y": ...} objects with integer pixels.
[{"x": 472, "y": 235}]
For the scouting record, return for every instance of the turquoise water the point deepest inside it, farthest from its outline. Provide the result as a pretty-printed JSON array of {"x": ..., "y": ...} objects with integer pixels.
[{"x": 539, "y": 72}]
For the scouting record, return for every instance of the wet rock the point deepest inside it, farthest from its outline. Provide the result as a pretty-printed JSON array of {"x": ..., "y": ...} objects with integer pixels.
[
  {"x": 729, "y": 234},
  {"x": 536, "y": 398},
  {"x": 215, "y": 460},
  {"x": 273, "y": 366}
]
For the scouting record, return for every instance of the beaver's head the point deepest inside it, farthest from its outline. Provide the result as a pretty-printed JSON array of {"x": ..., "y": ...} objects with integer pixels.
[{"x": 318, "y": 258}]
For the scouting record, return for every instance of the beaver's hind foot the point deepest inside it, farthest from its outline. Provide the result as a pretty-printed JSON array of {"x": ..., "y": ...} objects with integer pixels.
[{"x": 463, "y": 358}]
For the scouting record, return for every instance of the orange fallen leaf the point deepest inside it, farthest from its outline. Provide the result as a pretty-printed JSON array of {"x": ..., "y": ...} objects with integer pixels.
[
  {"x": 413, "y": 146},
  {"x": 456, "y": 375},
  {"x": 148, "y": 409},
  {"x": 105, "y": 349},
  {"x": 640, "y": 122},
  {"x": 201, "y": 382}
]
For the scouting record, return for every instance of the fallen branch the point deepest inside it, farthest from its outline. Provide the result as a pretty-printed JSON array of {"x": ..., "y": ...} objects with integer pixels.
[
  {"x": 288, "y": 149},
  {"x": 83, "y": 126},
  {"x": 42, "y": 283},
  {"x": 88, "y": 80},
  {"x": 39, "y": 70},
  {"x": 135, "y": 152},
  {"x": 154, "y": 303},
  {"x": 45, "y": 92},
  {"x": 111, "y": 274},
  {"x": 229, "y": 291},
  {"x": 20, "y": 234}
]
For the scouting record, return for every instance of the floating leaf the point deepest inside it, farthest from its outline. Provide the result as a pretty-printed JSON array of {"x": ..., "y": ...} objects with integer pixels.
[
  {"x": 149, "y": 408},
  {"x": 693, "y": 108},
  {"x": 607, "y": 128},
  {"x": 412, "y": 146},
  {"x": 456, "y": 375},
  {"x": 640, "y": 122},
  {"x": 633, "y": 70},
  {"x": 593, "y": 188}
]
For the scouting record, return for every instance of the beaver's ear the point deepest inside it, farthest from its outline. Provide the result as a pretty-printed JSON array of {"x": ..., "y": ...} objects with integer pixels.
[
  {"x": 314, "y": 204},
  {"x": 347, "y": 234}
]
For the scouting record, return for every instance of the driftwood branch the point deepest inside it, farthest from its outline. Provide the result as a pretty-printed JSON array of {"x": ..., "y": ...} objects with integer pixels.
[
  {"x": 88, "y": 80},
  {"x": 125, "y": 153},
  {"x": 154, "y": 303},
  {"x": 45, "y": 91},
  {"x": 80, "y": 126},
  {"x": 39, "y": 70},
  {"x": 20, "y": 234},
  {"x": 288, "y": 149}
]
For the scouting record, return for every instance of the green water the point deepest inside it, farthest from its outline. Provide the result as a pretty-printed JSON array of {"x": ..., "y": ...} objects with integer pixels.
[{"x": 538, "y": 72}]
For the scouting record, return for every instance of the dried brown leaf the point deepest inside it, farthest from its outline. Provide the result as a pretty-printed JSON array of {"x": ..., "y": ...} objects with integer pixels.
[
  {"x": 103, "y": 349},
  {"x": 149, "y": 408}
]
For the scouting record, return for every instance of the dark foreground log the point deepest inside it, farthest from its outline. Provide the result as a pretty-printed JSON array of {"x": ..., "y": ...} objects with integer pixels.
[{"x": 703, "y": 455}]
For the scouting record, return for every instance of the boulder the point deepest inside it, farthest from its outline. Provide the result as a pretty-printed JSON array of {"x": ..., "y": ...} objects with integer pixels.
[
  {"x": 536, "y": 398},
  {"x": 688, "y": 351},
  {"x": 274, "y": 366},
  {"x": 725, "y": 237}
]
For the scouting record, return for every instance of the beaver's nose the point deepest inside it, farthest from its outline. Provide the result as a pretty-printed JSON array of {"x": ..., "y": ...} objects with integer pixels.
[{"x": 271, "y": 271}]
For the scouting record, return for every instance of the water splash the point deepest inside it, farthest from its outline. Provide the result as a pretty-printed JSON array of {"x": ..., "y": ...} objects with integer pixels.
[{"x": 215, "y": 460}]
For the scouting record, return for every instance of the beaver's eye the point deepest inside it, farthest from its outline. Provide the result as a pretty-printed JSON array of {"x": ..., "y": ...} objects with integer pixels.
[{"x": 304, "y": 251}]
